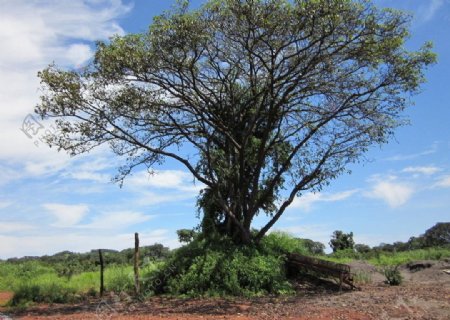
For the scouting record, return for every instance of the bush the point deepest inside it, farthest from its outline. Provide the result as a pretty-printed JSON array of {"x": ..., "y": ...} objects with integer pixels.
[
  {"x": 280, "y": 243},
  {"x": 52, "y": 293},
  {"x": 362, "y": 277},
  {"x": 220, "y": 269},
  {"x": 346, "y": 255},
  {"x": 393, "y": 275},
  {"x": 119, "y": 279}
]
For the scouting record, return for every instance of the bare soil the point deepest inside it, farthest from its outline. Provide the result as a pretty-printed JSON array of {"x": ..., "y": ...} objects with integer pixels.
[{"x": 425, "y": 294}]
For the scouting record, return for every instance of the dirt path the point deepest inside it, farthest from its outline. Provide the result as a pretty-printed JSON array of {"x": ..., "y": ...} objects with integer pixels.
[{"x": 424, "y": 295}]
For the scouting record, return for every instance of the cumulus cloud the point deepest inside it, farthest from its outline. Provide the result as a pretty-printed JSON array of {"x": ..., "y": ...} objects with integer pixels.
[
  {"x": 34, "y": 34},
  {"x": 306, "y": 201},
  {"x": 66, "y": 215},
  {"x": 395, "y": 194}
]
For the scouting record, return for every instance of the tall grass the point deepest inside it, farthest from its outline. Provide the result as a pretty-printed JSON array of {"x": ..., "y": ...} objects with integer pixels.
[
  {"x": 390, "y": 258},
  {"x": 35, "y": 282},
  {"x": 398, "y": 258}
]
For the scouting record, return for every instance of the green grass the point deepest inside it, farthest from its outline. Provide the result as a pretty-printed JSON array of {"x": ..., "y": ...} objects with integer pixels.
[
  {"x": 390, "y": 258},
  {"x": 35, "y": 282},
  {"x": 398, "y": 258}
]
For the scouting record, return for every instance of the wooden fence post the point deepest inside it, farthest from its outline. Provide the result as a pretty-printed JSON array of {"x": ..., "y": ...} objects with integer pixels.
[
  {"x": 136, "y": 264},
  {"x": 102, "y": 286}
]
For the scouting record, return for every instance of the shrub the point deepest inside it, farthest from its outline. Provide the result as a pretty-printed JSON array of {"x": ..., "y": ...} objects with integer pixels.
[
  {"x": 393, "y": 275},
  {"x": 43, "y": 293},
  {"x": 362, "y": 277},
  {"x": 119, "y": 279},
  {"x": 279, "y": 243},
  {"x": 346, "y": 254},
  {"x": 220, "y": 269},
  {"x": 244, "y": 272}
]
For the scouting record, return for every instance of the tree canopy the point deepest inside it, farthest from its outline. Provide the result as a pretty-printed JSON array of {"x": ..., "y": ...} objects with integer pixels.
[
  {"x": 341, "y": 241},
  {"x": 261, "y": 100}
]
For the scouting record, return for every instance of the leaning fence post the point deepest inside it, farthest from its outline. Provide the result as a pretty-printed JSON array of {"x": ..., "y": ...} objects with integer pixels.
[{"x": 136, "y": 264}]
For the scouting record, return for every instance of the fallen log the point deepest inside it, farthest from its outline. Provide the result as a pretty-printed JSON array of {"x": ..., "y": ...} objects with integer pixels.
[{"x": 328, "y": 268}]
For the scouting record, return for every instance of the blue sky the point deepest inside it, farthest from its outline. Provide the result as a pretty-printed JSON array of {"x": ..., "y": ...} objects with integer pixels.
[{"x": 50, "y": 202}]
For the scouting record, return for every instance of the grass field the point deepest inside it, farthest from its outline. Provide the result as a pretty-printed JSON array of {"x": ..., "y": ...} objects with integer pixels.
[
  {"x": 34, "y": 281},
  {"x": 392, "y": 258}
]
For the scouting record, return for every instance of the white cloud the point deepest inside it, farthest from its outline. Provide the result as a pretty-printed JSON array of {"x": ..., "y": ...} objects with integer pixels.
[
  {"x": 153, "y": 198},
  {"x": 164, "y": 179},
  {"x": 444, "y": 182},
  {"x": 306, "y": 201},
  {"x": 115, "y": 220},
  {"x": 66, "y": 215},
  {"x": 18, "y": 246},
  {"x": 400, "y": 157},
  {"x": 395, "y": 194},
  {"x": 78, "y": 54},
  {"x": 427, "y": 11},
  {"x": 5, "y": 204},
  {"x": 34, "y": 34},
  {"x": 426, "y": 170},
  {"x": 8, "y": 227}
]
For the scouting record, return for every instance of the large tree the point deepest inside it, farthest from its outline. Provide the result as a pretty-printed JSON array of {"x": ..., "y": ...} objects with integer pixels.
[{"x": 261, "y": 100}]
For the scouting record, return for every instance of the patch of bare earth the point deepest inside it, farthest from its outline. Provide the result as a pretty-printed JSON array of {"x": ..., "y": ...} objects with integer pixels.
[{"x": 425, "y": 294}]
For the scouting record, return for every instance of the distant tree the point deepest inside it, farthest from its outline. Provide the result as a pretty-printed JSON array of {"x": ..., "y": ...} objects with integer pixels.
[
  {"x": 341, "y": 241},
  {"x": 400, "y": 246},
  {"x": 362, "y": 248},
  {"x": 185, "y": 235},
  {"x": 273, "y": 98},
  {"x": 314, "y": 247},
  {"x": 416, "y": 243},
  {"x": 384, "y": 247},
  {"x": 438, "y": 235}
]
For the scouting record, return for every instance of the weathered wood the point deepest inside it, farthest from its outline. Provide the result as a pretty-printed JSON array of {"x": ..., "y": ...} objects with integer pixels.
[
  {"x": 337, "y": 270},
  {"x": 136, "y": 264}
]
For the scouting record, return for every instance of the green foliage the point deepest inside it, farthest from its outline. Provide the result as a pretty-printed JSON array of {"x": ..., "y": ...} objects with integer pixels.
[
  {"x": 362, "y": 277},
  {"x": 362, "y": 248},
  {"x": 119, "y": 279},
  {"x": 201, "y": 268},
  {"x": 341, "y": 241},
  {"x": 314, "y": 247},
  {"x": 346, "y": 254},
  {"x": 279, "y": 243},
  {"x": 43, "y": 293},
  {"x": 438, "y": 235},
  {"x": 399, "y": 258},
  {"x": 393, "y": 275},
  {"x": 186, "y": 235},
  {"x": 264, "y": 95}
]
